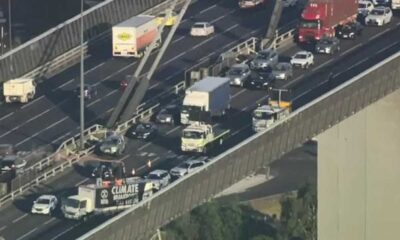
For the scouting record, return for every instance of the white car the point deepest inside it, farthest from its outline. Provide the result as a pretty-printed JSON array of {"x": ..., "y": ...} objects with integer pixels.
[
  {"x": 201, "y": 29},
  {"x": 379, "y": 16},
  {"x": 45, "y": 204},
  {"x": 186, "y": 168},
  {"x": 365, "y": 7},
  {"x": 302, "y": 59},
  {"x": 289, "y": 3},
  {"x": 160, "y": 178}
]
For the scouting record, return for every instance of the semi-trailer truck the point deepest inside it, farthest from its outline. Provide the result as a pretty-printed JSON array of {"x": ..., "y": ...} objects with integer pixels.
[
  {"x": 205, "y": 99},
  {"x": 131, "y": 37},
  {"x": 19, "y": 90},
  {"x": 320, "y": 17},
  {"x": 95, "y": 199}
]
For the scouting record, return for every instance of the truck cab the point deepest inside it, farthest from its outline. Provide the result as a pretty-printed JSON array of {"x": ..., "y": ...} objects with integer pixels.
[
  {"x": 312, "y": 22},
  {"x": 77, "y": 207},
  {"x": 201, "y": 137},
  {"x": 19, "y": 90},
  {"x": 264, "y": 116}
]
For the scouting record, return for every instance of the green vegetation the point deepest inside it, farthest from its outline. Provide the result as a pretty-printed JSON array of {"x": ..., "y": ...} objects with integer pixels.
[{"x": 230, "y": 220}]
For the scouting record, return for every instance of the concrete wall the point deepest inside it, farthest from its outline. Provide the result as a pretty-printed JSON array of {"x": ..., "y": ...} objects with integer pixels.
[{"x": 359, "y": 175}]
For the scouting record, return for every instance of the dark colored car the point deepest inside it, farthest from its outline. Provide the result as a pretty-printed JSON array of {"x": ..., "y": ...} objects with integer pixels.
[
  {"x": 124, "y": 82},
  {"x": 142, "y": 131},
  {"x": 328, "y": 45},
  {"x": 170, "y": 114},
  {"x": 349, "y": 31},
  {"x": 89, "y": 92},
  {"x": 104, "y": 170},
  {"x": 260, "y": 80}
]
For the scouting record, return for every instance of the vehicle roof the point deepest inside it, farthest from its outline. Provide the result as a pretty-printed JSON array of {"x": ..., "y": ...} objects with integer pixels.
[
  {"x": 380, "y": 8},
  {"x": 286, "y": 64},
  {"x": 47, "y": 196},
  {"x": 158, "y": 172},
  {"x": 208, "y": 84},
  {"x": 200, "y": 23},
  {"x": 193, "y": 161},
  {"x": 302, "y": 52},
  {"x": 21, "y": 80},
  {"x": 136, "y": 21},
  {"x": 240, "y": 65}
]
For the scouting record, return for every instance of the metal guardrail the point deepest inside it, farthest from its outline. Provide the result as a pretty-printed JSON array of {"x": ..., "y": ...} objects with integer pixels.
[
  {"x": 67, "y": 154},
  {"x": 260, "y": 150},
  {"x": 40, "y": 53}
]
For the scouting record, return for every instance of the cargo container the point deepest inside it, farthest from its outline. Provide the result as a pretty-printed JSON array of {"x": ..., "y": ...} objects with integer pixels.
[
  {"x": 19, "y": 90},
  {"x": 320, "y": 17},
  {"x": 205, "y": 99},
  {"x": 131, "y": 37}
]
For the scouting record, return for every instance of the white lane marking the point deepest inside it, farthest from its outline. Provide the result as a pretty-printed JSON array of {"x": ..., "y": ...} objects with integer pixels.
[
  {"x": 178, "y": 39},
  {"x": 6, "y": 116},
  {"x": 219, "y": 18},
  {"x": 173, "y": 130},
  {"x": 386, "y": 48},
  {"x": 36, "y": 134},
  {"x": 61, "y": 137},
  {"x": 2, "y": 228},
  {"x": 238, "y": 93},
  {"x": 241, "y": 129},
  {"x": 95, "y": 67},
  {"x": 358, "y": 63},
  {"x": 62, "y": 85},
  {"x": 351, "y": 49},
  {"x": 81, "y": 182},
  {"x": 174, "y": 58},
  {"x": 207, "y": 9},
  {"x": 32, "y": 102},
  {"x": 19, "y": 218},
  {"x": 94, "y": 102},
  {"x": 49, "y": 221},
  {"x": 27, "y": 234},
  {"x": 379, "y": 34},
  {"x": 144, "y": 146},
  {"x": 320, "y": 66},
  {"x": 63, "y": 232}
]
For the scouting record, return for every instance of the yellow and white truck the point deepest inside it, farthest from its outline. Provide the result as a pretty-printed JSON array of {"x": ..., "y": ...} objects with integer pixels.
[
  {"x": 19, "y": 90},
  {"x": 266, "y": 115},
  {"x": 131, "y": 37},
  {"x": 201, "y": 137}
]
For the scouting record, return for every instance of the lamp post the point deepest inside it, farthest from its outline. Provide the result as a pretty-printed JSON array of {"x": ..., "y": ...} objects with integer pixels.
[{"x": 82, "y": 83}]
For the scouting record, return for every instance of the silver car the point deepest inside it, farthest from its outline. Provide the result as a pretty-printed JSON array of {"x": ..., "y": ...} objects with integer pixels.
[
  {"x": 114, "y": 144},
  {"x": 185, "y": 168},
  {"x": 238, "y": 74},
  {"x": 160, "y": 178},
  {"x": 328, "y": 45},
  {"x": 282, "y": 71},
  {"x": 267, "y": 58}
]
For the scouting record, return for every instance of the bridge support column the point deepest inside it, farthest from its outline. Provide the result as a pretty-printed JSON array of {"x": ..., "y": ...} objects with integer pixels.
[{"x": 359, "y": 175}]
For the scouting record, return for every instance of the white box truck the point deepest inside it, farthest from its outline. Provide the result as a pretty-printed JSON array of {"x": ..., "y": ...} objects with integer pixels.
[
  {"x": 207, "y": 98},
  {"x": 93, "y": 199},
  {"x": 19, "y": 90},
  {"x": 395, "y": 4},
  {"x": 131, "y": 37}
]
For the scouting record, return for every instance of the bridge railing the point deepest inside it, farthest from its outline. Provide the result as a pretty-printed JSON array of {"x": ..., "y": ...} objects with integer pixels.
[
  {"x": 260, "y": 150},
  {"x": 58, "y": 48}
]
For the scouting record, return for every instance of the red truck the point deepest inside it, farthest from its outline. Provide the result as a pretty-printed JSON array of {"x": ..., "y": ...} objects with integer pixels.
[{"x": 320, "y": 17}]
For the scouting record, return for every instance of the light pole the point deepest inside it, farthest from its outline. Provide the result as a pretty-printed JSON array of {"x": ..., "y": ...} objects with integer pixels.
[
  {"x": 82, "y": 83},
  {"x": 10, "y": 34}
]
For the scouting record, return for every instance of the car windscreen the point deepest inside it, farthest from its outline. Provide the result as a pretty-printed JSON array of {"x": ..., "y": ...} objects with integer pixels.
[
  {"x": 184, "y": 165},
  {"x": 154, "y": 177},
  {"x": 300, "y": 56},
  {"x": 235, "y": 71},
  {"x": 43, "y": 201},
  {"x": 377, "y": 12},
  {"x": 198, "y": 25},
  {"x": 362, "y": 5}
]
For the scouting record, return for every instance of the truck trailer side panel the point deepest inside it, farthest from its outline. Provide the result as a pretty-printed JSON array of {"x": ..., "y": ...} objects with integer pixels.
[
  {"x": 220, "y": 99},
  {"x": 145, "y": 40}
]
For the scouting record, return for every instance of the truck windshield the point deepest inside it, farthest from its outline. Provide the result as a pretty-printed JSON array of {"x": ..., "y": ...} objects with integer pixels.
[
  {"x": 72, "y": 203},
  {"x": 310, "y": 23},
  {"x": 262, "y": 115},
  {"x": 377, "y": 12},
  {"x": 193, "y": 135}
]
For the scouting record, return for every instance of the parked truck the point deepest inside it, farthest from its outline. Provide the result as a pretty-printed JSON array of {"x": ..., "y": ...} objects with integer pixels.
[
  {"x": 245, "y": 4},
  {"x": 131, "y": 37},
  {"x": 279, "y": 107},
  {"x": 19, "y": 90},
  {"x": 320, "y": 17},
  {"x": 95, "y": 199},
  {"x": 202, "y": 137},
  {"x": 205, "y": 99}
]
